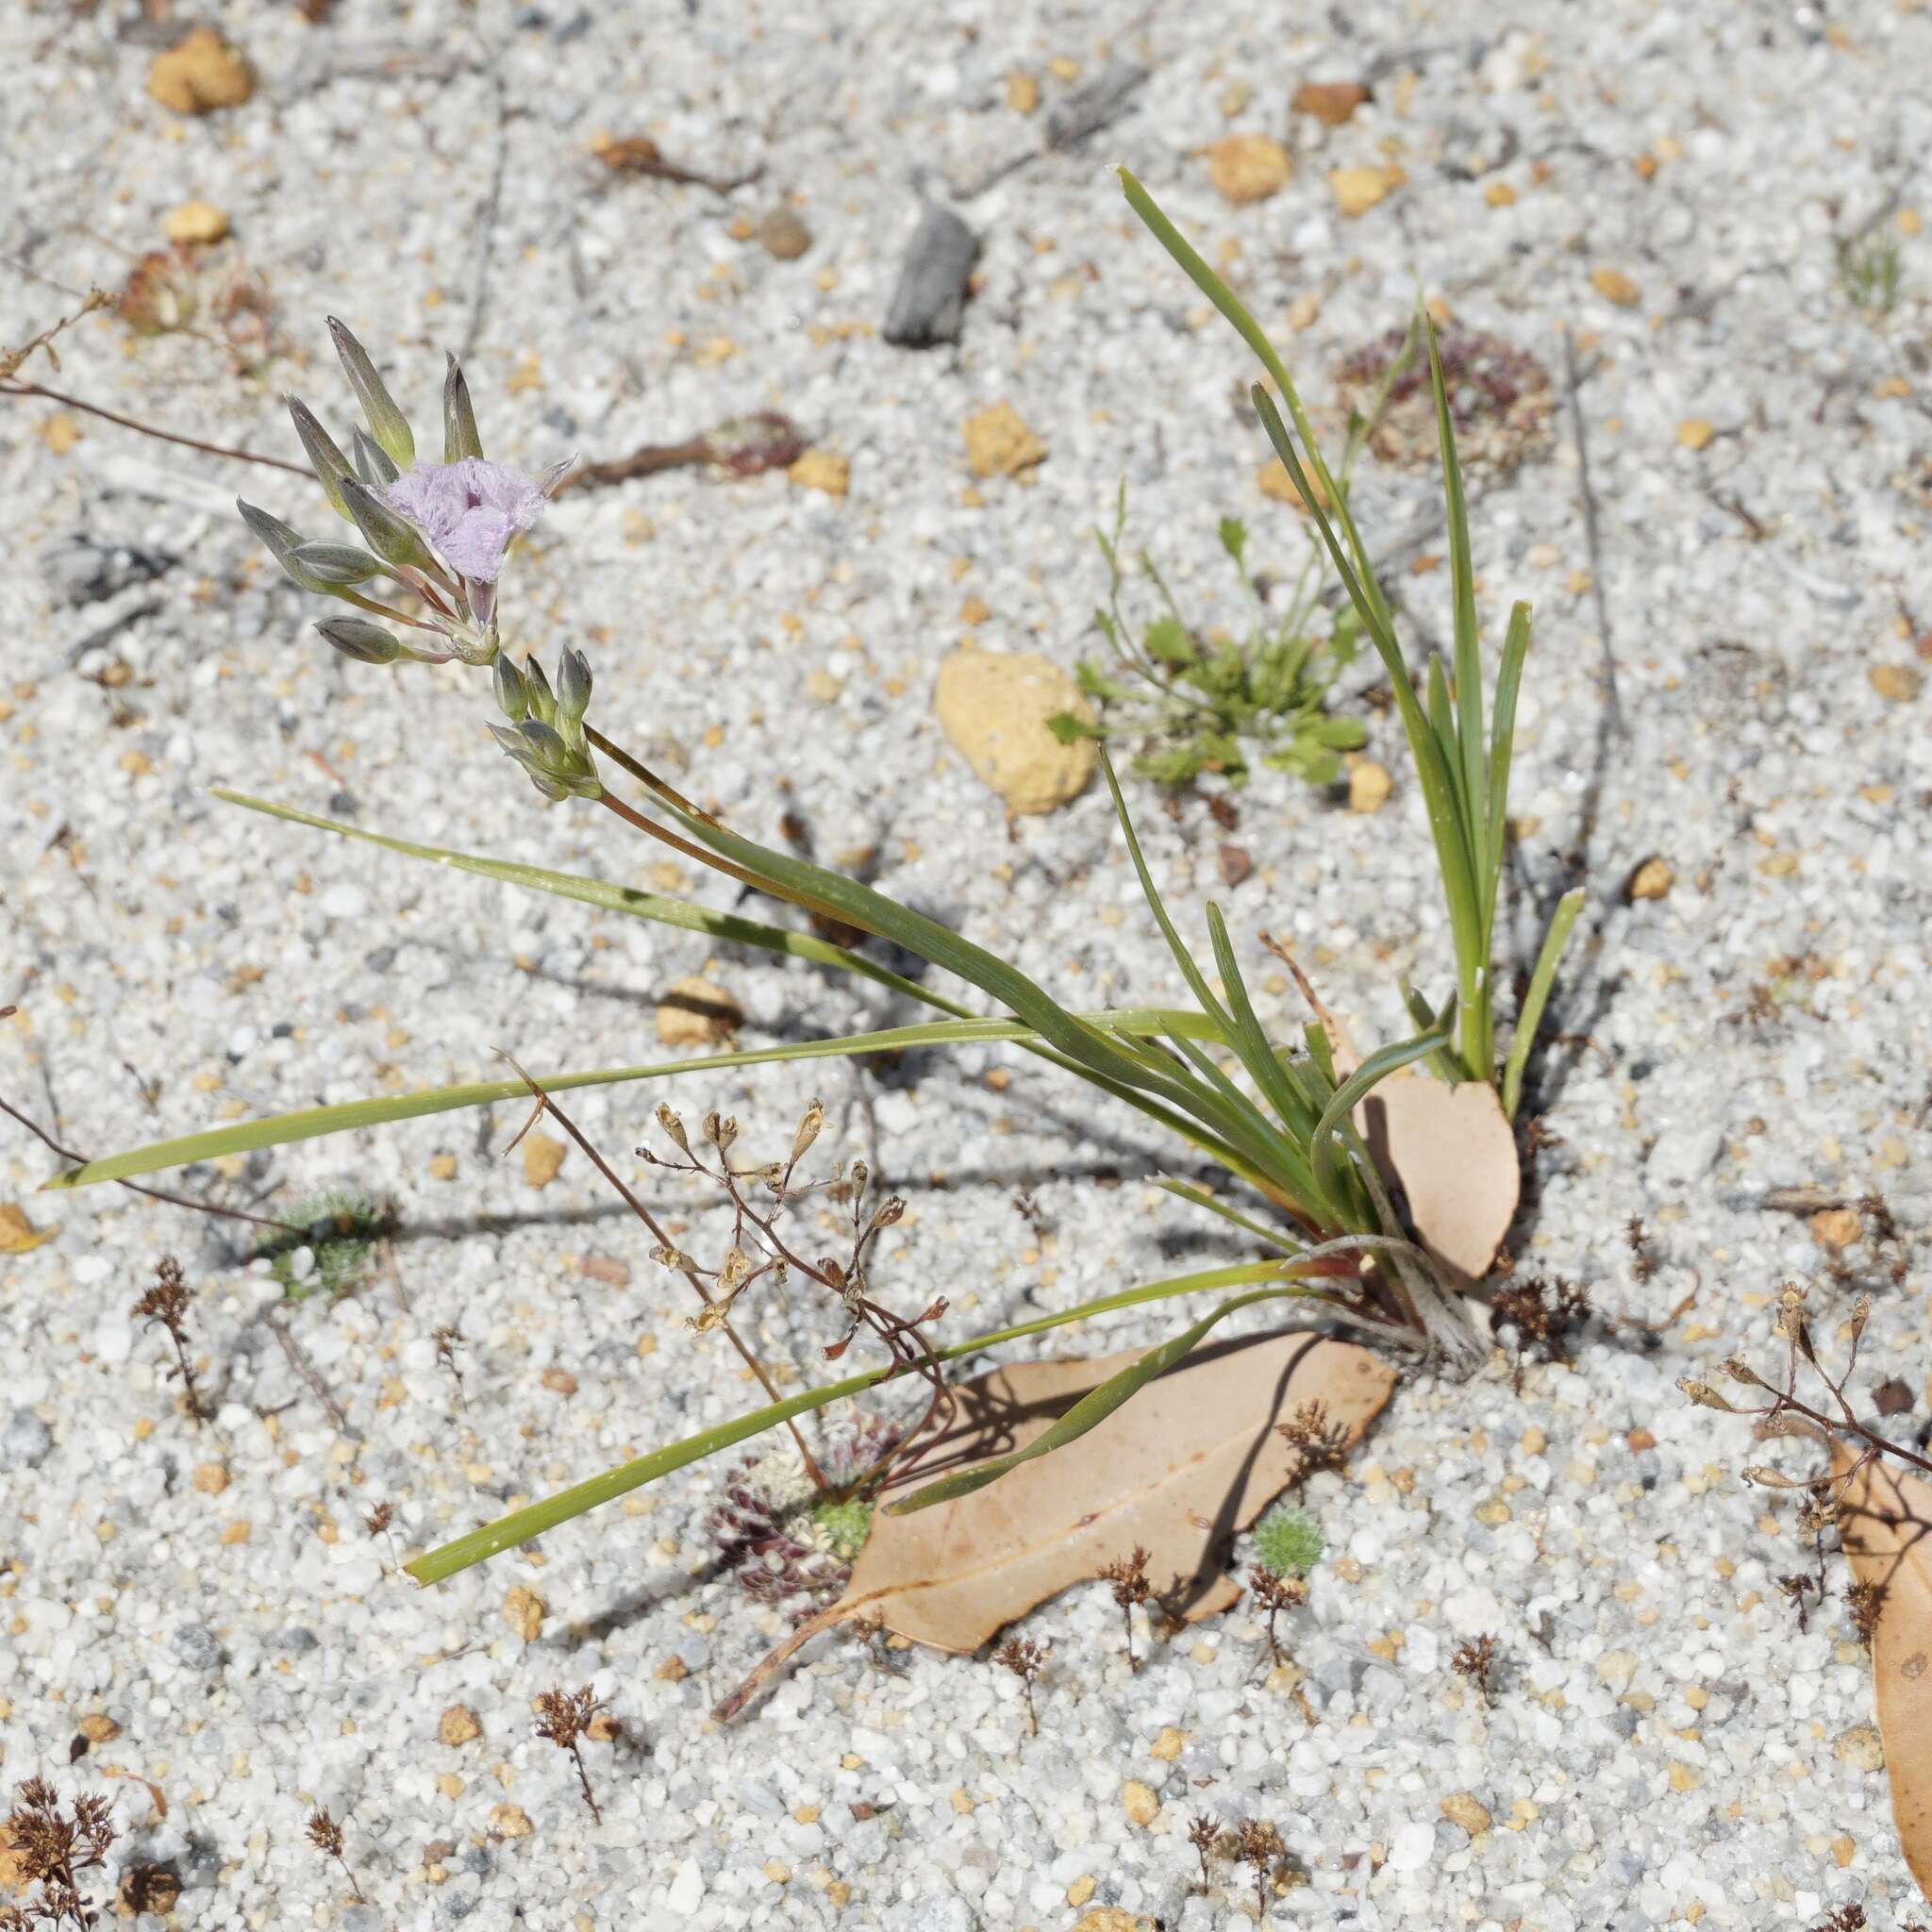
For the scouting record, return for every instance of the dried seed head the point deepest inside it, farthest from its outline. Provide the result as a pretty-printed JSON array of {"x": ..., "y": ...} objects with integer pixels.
[
  {"x": 1739, "y": 1370},
  {"x": 1789, "y": 1324},
  {"x": 673, "y": 1258},
  {"x": 1704, "y": 1396},
  {"x": 891, "y": 1211},
  {"x": 1821, "y": 1512},
  {"x": 673, "y": 1126},
  {"x": 720, "y": 1129},
  {"x": 325, "y": 1834},
  {"x": 734, "y": 1271},
  {"x": 1865, "y": 1601},
  {"x": 810, "y": 1127},
  {"x": 1861, "y": 1314},
  {"x": 1771, "y": 1479}
]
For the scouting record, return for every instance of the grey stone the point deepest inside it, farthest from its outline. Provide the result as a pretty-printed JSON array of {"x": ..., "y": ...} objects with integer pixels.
[
  {"x": 929, "y": 304},
  {"x": 26, "y": 1442},
  {"x": 1092, "y": 106},
  {"x": 198, "y": 1647},
  {"x": 944, "y": 1911}
]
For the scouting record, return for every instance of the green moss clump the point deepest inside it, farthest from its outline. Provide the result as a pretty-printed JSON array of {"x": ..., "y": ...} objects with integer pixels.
[{"x": 340, "y": 1226}]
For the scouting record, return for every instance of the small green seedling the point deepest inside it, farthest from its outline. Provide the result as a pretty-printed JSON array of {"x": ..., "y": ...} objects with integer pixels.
[
  {"x": 1205, "y": 705},
  {"x": 1868, "y": 272},
  {"x": 844, "y": 1524}
]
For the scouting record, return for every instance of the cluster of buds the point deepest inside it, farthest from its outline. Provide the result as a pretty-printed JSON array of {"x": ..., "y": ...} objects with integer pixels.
[
  {"x": 546, "y": 732},
  {"x": 439, "y": 530}
]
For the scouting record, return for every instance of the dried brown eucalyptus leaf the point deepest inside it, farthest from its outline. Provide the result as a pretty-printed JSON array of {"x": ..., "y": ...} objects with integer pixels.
[
  {"x": 1177, "y": 1470},
  {"x": 1886, "y": 1522},
  {"x": 1452, "y": 1152}
]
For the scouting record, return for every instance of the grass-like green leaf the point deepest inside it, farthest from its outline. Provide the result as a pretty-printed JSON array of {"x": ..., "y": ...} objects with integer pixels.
[
  {"x": 279, "y": 1130},
  {"x": 520, "y": 1525},
  {"x": 1200, "y": 1197},
  {"x": 651, "y": 906},
  {"x": 1501, "y": 750},
  {"x": 1534, "y": 1001}
]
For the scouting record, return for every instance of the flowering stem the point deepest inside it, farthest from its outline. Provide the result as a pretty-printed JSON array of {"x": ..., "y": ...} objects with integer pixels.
[
  {"x": 715, "y": 861},
  {"x": 642, "y": 773}
]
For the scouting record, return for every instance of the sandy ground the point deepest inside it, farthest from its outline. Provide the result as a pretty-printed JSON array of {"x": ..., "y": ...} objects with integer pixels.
[{"x": 1723, "y": 540}]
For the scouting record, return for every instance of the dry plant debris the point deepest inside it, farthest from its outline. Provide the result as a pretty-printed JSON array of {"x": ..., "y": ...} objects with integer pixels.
[
  {"x": 326, "y": 1835},
  {"x": 167, "y": 1303},
  {"x": 51, "y": 1850},
  {"x": 1885, "y": 1527},
  {"x": 1127, "y": 1578},
  {"x": 1026, "y": 1661},
  {"x": 565, "y": 1719},
  {"x": 1477, "y": 1660},
  {"x": 1193, "y": 1458}
]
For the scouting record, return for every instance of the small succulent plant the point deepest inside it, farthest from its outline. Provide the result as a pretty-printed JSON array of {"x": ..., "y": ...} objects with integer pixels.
[
  {"x": 1500, "y": 399},
  {"x": 786, "y": 1541},
  {"x": 1288, "y": 1542}
]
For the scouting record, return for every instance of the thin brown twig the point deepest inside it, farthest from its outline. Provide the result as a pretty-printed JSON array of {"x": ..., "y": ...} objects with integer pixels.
[
  {"x": 317, "y": 1387},
  {"x": 134, "y": 1187},
  {"x": 12, "y": 386}
]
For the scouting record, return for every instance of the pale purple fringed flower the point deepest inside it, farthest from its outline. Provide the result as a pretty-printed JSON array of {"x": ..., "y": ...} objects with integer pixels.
[{"x": 470, "y": 511}]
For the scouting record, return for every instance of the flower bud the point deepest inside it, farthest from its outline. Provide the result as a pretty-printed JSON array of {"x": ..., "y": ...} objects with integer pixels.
[
  {"x": 545, "y": 747},
  {"x": 330, "y": 464},
  {"x": 280, "y": 539},
  {"x": 336, "y": 565},
  {"x": 393, "y": 540},
  {"x": 372, "y": 465},
  {"x": 459, "y": 437},
  {"x": 387, "y": 422},
  {"x": 542, "y": 699},
  {"x": 573, "y": 688},
  {"x": 512, "y": 695},
  {"x": 357, "y": 638}
]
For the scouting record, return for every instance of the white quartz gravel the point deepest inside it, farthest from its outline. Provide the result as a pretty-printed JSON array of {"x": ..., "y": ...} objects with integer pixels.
[{"x": 1663, "y": 1746}]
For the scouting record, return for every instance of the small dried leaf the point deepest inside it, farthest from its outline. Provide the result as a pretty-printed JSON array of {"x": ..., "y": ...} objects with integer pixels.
[
  {"x": 1451, "y": 1150},
  {"x": 18, "y": 1236},
  {"x": 1192, "y": 1459},
  {"x": 1886, "y": 1522},
  {"x": 1454, "y": 1152}
]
